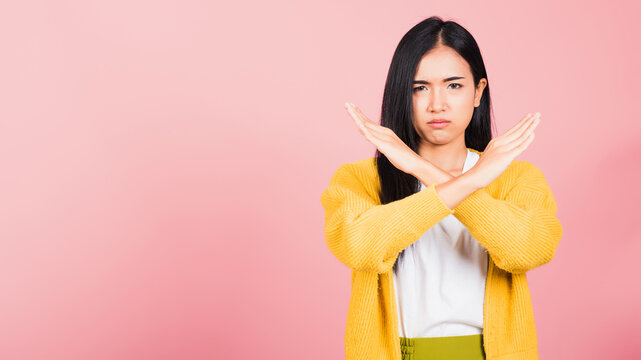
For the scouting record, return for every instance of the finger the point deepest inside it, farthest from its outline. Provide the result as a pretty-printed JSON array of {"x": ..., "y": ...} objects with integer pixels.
[
  {"x": 373, "y": 137},
  {"x": 518, "y": 131},
  {"x": 365, "y": 119},
  {"x": 358, "y": 124},
  {"x": 524, "y": 145},
  {"x": 367, "y": 124},
  {"x": 358, "y": 111},
  {"x": 524, "y": 136},
  {"x": 523, "y": 122},
  {"x": 370, "y": 135},
  {"x": 372, "y": 125},
  {"x": 377, "y": 129}
]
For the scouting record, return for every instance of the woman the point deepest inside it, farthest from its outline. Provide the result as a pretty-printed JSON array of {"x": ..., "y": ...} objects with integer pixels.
[{"x": 440, "y": 227}]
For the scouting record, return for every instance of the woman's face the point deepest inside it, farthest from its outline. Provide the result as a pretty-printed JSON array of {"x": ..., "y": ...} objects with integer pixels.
[{"x": 444, "y": 89}]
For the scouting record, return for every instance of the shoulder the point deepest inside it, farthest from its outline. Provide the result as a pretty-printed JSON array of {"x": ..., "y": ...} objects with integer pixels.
[
  {"x": 525, "y": 169},
  {"x": 518, "y": 173},
  {"x": 523, "y": 180},
  {"x": 360, "y": 175},
  {"x": 362, "y": 169},
  {"x": 365, "y": 166}
]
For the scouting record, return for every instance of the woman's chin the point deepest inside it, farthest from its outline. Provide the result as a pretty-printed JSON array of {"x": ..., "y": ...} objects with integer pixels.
[{"x": 439, "y": 140}]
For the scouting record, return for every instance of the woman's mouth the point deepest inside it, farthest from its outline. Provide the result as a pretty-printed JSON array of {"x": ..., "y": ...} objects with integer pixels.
[{"x": 438, "y": 124}]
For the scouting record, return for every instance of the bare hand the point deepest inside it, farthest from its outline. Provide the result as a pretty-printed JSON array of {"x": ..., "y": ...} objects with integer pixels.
[
  {"x": 501, "y": 151},
  {"x": 387, "y": 142}
]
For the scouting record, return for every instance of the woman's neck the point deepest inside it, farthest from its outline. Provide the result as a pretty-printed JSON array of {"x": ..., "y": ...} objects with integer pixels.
[{"x": 449, "y": 157}]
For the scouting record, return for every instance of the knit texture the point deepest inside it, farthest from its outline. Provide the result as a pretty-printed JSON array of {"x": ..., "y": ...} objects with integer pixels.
[{"x": 514, "y": 218}]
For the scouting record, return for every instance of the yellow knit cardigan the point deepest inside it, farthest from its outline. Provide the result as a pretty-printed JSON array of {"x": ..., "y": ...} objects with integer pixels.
[{"x": 514, "y": 218}]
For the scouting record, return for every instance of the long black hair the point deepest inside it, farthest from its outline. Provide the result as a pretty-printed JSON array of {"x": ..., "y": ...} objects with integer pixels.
[{"x": 397, "y": 109}]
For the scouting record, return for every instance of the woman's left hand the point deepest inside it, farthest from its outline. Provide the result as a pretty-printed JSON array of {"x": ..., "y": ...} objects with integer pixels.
[{"x": 387, "y": 142}]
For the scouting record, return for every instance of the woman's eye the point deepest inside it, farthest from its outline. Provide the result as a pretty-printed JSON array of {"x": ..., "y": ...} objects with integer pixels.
[{"x": 419, "y": 88}]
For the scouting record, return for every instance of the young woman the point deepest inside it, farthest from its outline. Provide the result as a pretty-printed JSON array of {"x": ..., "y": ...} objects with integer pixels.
[{"x": 440, "y": 227}]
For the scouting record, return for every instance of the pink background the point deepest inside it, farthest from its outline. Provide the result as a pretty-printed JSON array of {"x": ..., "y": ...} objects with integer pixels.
[{"x": 163, "y": 162}]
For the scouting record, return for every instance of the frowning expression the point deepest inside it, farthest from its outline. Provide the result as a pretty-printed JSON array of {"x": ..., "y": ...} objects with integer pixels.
[{"x": 444, "y": 90}]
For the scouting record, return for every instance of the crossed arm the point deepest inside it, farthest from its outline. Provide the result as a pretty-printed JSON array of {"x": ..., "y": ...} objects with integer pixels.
[{"x": 520, "y": 231}]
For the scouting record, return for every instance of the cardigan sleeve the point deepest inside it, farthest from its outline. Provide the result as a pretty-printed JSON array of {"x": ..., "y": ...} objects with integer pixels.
[
  {"x": 521, "y": 232},
  {"x": 367, "y": 236}
]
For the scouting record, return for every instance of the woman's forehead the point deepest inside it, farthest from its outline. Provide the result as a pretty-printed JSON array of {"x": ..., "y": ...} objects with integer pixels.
[{"x": 441, "y": 63}]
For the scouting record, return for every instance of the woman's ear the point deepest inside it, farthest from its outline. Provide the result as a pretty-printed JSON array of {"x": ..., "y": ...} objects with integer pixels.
[{"x": 478, "y": 92}]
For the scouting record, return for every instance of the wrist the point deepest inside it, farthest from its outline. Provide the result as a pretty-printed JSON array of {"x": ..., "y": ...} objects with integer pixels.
[
  {"x": 471, "y": 179},
  {"x": 428, "y": 173}
]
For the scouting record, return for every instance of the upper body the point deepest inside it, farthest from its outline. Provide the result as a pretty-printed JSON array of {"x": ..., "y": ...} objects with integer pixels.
[
  {"x": 439, "y": 280},
  {"x": 513, "y": 218}
]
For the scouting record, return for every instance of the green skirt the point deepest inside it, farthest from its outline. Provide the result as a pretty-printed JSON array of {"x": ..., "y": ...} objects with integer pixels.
[{"x": 466, "y": 347}]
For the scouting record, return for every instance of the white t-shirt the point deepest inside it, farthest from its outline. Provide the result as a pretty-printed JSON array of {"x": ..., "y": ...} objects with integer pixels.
[{"x": 439, "y": 280}]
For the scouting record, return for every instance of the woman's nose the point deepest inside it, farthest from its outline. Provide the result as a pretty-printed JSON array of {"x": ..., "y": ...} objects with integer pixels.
[{"x": 437, "y": 100}]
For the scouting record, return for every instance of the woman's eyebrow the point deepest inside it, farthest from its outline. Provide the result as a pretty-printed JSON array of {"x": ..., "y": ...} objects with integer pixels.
[{"x": 444, "y": 80}]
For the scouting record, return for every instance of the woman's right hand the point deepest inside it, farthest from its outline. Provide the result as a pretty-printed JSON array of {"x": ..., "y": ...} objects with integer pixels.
[
  {"x": 386, "y": 141},
  {"x": 502, "y": 150}
]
